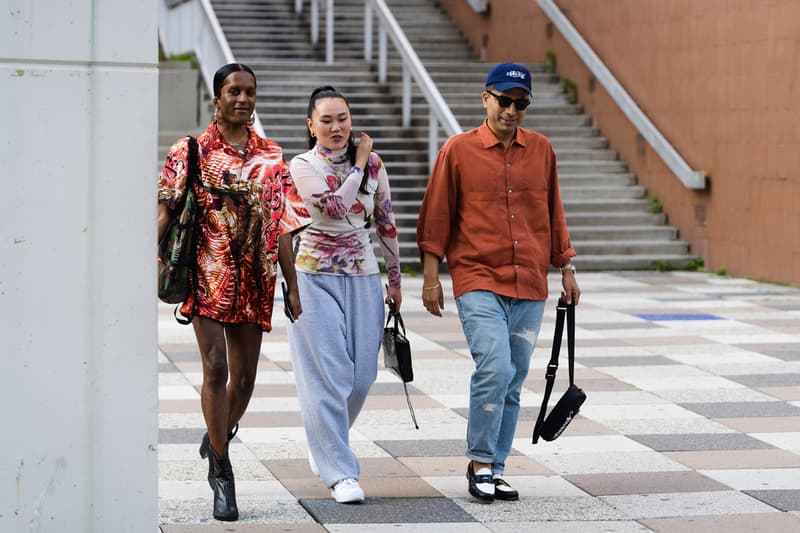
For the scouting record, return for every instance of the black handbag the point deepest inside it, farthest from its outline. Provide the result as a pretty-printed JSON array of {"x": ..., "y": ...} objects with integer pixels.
[
  {"x": 397, "y": 353},
  {"x": 176, "y": 250},
  {"x": 570, "y": 403}
]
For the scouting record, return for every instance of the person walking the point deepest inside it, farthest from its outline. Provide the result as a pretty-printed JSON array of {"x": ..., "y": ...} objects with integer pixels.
[
  {"x": 247, "y": 213},
  {"x": 334, "y": 347},
  {"x": 493, "y": 209}
]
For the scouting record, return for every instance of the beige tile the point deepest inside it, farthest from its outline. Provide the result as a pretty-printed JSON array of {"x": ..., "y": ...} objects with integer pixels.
[
  {"x": 387, "y": 401},
  {"x": 219, "y": 527},
  {"x": 740, "y": 523},
  {"x": 764, "y": 424},
  {"x": 719, "y": 460},
  {"x": 179, "y": 406},
  {"x": 256, "y": 419},
  {"x": 789, "y": 394}
]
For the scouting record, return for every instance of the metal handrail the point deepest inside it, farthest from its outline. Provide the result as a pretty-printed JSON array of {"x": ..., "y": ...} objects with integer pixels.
[
  {"x": 193, "y": 26},
  {"x": 693, "y": 179},
  {"x": 440, "y": 112},
  {"x": 314, "y": 23}
]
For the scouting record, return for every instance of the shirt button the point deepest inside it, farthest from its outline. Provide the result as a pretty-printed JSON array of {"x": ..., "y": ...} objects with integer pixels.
[
  {"x": 508, "y": 164},
  {"x": 516, "y": 267},
  {"x": 516, "y": 242},
  {"x": 513, "y": 216},
  {"x": 509, "y": 190}
]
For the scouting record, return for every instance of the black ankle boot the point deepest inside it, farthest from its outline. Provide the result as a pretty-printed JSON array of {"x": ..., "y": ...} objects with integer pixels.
[
  {"x": 205, "y": 444},
  {"x": 220, "y": 478}
]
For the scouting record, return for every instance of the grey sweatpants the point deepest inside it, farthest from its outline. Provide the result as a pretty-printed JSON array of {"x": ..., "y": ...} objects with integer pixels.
[{"x": 334, "y": 347}]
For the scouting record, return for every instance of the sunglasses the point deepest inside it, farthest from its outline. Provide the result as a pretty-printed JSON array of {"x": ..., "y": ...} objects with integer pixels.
[{"x": 505, "y": 101}]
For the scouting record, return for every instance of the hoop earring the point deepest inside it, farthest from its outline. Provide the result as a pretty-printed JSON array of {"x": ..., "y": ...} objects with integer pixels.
[{"x": 252, "y": 119}]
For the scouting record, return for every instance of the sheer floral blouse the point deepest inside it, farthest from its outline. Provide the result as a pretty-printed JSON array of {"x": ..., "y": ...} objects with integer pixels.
[
  {"x": 338, "y": 241},
  {"x": 246, "y": 201}
]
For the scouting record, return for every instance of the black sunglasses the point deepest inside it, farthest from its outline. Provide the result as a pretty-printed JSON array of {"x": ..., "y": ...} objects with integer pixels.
[{"x": 505, "y": 101}]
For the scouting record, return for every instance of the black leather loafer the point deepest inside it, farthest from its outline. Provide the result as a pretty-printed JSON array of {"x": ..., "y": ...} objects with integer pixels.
[
  {"x": 504, "y": 491},
  {"x": 475, "y": 480}
]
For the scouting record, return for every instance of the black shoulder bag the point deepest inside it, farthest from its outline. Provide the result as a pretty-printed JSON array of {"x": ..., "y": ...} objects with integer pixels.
[{"x": 569, "y": 404}]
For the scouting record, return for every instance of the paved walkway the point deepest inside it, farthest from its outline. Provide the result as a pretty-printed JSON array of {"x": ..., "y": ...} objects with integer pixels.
[{"x": 692, "y": 423}]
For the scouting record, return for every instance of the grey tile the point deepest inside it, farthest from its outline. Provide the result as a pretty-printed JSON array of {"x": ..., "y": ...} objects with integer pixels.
[
  {"x": 180, "y": 435},
  {"x": 635, "y": 360},
  {"x": 454, "y": 345},
  {"x": 742, "y": 409},
  {"x": 166, "y": 368},
  {"x": 386, "y": 511},
  {"x": 785, "y": 500},
  {"x": 767, "y": 380},
  {"x": 700, "y": 442},
  {"x": 544, "y": 508},
  {"x": 427, "y": 448},
  {"x": 785, "y": 355},
  {"x": 644, "y": 483}
]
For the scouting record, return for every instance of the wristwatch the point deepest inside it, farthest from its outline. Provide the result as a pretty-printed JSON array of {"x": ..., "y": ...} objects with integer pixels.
[{"x": 568, "y": 266}]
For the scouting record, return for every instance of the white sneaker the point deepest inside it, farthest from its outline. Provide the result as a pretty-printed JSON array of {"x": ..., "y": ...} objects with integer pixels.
[
  {"x": 348, "y": 491},
  {"x": 312, "y": 464}
]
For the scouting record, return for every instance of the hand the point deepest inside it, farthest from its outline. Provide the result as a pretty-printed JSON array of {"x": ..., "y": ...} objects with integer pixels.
[
  {"x": 571, "y": 293},
  {"x": 363, "y": 151},
  {"x": 433, "y": 296},
  {"x": 396, "y": 295},
  {"x": 294, "y": 301}
]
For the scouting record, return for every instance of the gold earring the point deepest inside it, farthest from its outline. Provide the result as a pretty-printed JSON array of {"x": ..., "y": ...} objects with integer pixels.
[
  {"x": 252, "y": 119},
  {"x": 215, "y": 118}
]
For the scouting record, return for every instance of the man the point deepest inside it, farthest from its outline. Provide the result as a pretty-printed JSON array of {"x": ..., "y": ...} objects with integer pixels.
[{"x": 493, "y": 209}]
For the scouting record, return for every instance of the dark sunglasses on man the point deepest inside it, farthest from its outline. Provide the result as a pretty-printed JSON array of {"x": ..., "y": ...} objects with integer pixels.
[{"x": 505, "y": 101}]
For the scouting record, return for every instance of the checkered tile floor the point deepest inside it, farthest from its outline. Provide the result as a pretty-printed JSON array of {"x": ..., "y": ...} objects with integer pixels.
[{"x": 692, "y": 423}]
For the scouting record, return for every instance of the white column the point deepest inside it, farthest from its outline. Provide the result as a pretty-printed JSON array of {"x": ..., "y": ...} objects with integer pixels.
[{"x": 78, "y": 373}]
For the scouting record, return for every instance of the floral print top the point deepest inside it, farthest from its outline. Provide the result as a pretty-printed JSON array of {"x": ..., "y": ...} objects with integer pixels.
[
  {"x": 245, "y": 202},
  {"x": 338, "y": 240}
]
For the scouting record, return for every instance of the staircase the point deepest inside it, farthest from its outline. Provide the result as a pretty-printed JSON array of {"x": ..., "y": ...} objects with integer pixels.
[{"x": 607, "y": 212}]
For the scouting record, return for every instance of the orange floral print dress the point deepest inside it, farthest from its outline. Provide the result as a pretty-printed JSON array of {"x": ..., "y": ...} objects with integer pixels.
[{"x": 244, "y": 205}]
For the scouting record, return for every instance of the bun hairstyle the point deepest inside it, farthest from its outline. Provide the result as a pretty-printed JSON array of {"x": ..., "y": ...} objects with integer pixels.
[{"x": 225, "y": 71}]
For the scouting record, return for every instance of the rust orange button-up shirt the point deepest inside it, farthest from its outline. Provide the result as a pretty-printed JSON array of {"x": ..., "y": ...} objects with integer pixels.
[{"x": 496, "y": 214}]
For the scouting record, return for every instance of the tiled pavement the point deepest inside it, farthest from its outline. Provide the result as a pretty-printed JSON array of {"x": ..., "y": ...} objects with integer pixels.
[{"x": 692, "y": 423}]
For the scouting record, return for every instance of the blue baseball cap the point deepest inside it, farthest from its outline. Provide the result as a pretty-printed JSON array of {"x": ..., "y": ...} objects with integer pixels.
[{"x": 507, "y": 76}]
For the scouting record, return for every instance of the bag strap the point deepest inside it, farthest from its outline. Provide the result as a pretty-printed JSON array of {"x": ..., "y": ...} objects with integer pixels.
[
  {"x": 398, "y": 321},
  {"x": 563, "y": 311},
  {"x": 192, "y": 175}
]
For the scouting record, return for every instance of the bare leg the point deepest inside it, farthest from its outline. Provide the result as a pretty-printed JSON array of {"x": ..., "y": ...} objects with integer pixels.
[
  {"x": 244, "y": 349},
  {"x": 213, "y": 395}
]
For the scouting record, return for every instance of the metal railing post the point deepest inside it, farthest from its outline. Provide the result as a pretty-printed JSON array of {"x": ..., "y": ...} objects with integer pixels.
[
  {"x": 433, "y": 138},
  {"x": 367, "y": 31},
  {"x": 329, "y": 32},
  {"x": 406, "y": 96},
  {"x": 382, "y": 60},
  {"x": 314, "y": 22},
  {"x": 298, "y": 7}
]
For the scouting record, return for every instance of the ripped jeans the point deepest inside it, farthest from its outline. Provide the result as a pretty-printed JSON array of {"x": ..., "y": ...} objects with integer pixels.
[{"x": 501, "y": 332}]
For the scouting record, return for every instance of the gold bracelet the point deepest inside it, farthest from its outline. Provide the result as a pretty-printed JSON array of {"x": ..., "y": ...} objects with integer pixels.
[{"x": 432, "y": 287}]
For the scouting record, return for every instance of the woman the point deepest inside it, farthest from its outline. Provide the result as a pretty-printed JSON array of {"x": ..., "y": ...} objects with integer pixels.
[
  {"x": 335, "y": 346},
  {"x": 247, "y": 212}
]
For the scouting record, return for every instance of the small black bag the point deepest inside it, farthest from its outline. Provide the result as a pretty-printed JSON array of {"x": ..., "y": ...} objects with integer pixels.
[
  {"x": 176, "y": 250},
  {"x": 570, "y": 403},
  {"x": 397, "y": 353}
]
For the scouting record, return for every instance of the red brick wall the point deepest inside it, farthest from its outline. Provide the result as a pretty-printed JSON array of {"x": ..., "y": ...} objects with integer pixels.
[{"x": 721, "y": 80}]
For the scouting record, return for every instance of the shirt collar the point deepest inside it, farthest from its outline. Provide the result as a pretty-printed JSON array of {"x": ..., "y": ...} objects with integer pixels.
[{"x": 488, "y": 139}]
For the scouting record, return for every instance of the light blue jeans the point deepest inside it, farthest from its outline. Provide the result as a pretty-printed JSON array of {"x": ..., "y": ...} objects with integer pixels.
[
  {"x": 501, "y": 332},
  {"x": 334, "y": 346}
]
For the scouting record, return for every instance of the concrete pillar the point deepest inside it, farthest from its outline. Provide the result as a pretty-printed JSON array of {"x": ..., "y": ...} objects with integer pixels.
[{"x": 78, "y": 363}]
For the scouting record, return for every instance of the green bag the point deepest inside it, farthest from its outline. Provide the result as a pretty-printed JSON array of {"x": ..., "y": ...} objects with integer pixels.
[{"x": 176, "y": 251}]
